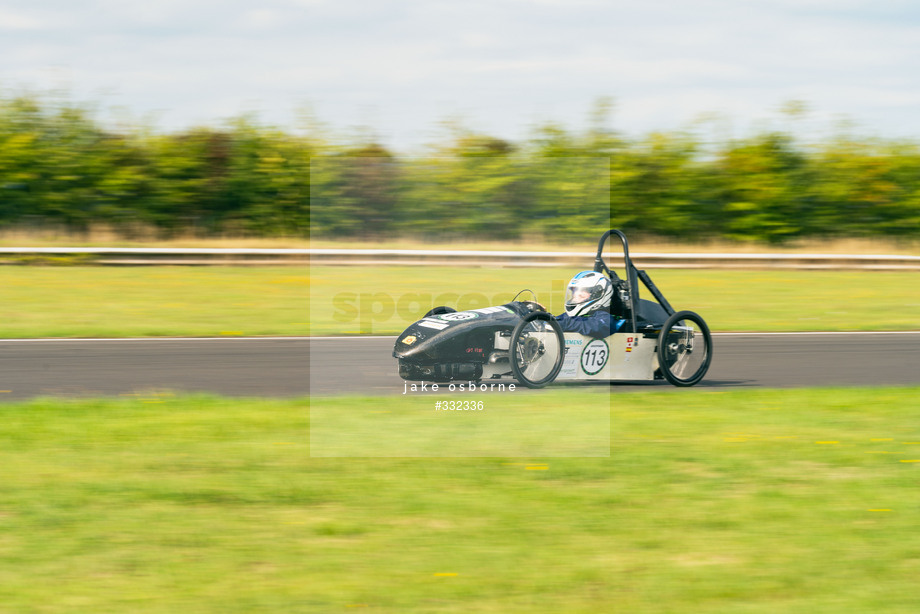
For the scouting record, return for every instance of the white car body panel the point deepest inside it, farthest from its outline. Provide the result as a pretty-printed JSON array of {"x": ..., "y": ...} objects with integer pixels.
[{"x": 621, "y": 356}]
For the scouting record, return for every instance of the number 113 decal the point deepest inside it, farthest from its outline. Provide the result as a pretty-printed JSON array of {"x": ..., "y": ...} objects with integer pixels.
[{"x": 594, "y": 356}]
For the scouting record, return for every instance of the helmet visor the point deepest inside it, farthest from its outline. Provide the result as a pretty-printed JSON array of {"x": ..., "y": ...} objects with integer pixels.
[{"x": 577, "y": 294}]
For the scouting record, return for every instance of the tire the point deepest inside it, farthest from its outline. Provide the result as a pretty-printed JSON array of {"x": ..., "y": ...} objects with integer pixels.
[
  {"x": 536, "y": 350},
  {"x": 684, "y": 348},
  {"x": 439, "y": 310}
]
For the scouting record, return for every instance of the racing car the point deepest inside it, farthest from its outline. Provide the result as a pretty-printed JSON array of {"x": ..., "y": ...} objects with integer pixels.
[{"x": 522, "y": 340}]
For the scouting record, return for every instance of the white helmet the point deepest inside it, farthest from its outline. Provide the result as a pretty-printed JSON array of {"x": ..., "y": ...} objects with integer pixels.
[{"x": 587, "y": 292}]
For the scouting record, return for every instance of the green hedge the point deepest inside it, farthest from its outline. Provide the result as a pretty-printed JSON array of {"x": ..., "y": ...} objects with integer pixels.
[{"x": 59, "y": 166}]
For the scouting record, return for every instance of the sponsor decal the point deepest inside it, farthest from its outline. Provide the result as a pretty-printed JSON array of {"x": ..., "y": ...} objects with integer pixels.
[
  {"x": 461, "y": 316},
  {"x": 458, "y": 316},
  {"x": 492, "y": 309},
  {"x": 570, "y": 358},
  {"x": 594, "y": 356},
  {"x": 433, "y": 324},
  {"x": 409, "y": 340}
]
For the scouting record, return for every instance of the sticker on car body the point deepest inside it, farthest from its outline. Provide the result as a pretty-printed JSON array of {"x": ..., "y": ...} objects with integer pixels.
[
  {"x": 433, "y": 324},
  {"x": 594, "y": 357},
  {"x": 462, "y": 316},
  {"x": 458, "y": 316}
]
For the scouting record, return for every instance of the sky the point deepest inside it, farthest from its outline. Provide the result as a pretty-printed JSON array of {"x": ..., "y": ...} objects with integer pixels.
[{"x": 400, "y": 72}]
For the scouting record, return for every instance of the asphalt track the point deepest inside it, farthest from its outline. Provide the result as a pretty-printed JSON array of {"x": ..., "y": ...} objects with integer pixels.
[{"x": 297, "y": 367}]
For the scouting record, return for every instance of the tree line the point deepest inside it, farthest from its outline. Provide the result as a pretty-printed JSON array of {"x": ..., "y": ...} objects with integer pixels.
[{"x": 61, "y": 167}]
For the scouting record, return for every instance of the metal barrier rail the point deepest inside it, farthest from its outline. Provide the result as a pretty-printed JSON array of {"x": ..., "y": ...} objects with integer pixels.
[{"x": 411, "y": 257}]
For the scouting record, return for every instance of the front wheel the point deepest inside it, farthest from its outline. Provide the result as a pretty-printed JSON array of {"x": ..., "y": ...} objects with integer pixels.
[
  {"x": 439, "y": 310},
  {"x": 537, "y": 349},
  {"x": 684, "y": 348}
]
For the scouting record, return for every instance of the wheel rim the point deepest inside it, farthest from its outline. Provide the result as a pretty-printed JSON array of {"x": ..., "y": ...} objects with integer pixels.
[
  {"x": 536, "y": 350},
  {"x": 684, "y": 349}
]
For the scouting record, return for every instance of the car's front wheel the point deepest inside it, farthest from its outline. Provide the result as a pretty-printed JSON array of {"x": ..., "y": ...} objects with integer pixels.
[
  {"x": 684, "y": 348},
  {"x": 439, "y": 310},
  {"x": 537, "y": 349}
]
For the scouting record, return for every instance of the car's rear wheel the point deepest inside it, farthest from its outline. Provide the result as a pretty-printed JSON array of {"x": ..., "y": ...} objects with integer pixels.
[
  {"x": 684, "y": 348},
  {"x": 537, "y": 350}
]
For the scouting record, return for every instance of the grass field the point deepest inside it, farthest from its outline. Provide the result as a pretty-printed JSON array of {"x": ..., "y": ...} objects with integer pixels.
[
  {"x": 797, "y": 501},
  {"x": 155, "y": 301},
  {"x": 380, "y": 300},
  {"x": 220, "y": 301},
  {"x": 509, "y": 423}
]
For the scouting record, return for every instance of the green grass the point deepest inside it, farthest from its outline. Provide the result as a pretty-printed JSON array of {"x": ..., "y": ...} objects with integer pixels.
[
  {"x": 83, "y": 301},
  {"x": 509, "y": 423},
  {"x": 386, "y": 300},
  {"x": 154, "y": 301},
  {"x": 721, "y": 502}
]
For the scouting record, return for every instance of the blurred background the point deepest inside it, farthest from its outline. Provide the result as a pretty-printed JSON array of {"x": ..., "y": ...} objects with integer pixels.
[
  {"x": 63, "y": 170},
  {"x": 779, "y": 123}
]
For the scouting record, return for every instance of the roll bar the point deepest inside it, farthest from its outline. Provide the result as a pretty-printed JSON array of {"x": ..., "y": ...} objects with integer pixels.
[{"x": 633, "y": 275}]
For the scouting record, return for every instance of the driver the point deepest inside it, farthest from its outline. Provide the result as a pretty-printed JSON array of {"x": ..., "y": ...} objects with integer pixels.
[{"x": 587, "y": 306}]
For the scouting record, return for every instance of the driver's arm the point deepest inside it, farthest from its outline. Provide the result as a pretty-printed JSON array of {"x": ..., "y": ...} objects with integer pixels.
[{"x": 599, "y": 324}]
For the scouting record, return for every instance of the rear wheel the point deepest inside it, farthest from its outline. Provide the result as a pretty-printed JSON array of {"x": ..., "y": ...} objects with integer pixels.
[
  {"x": 536, "y": 350},
  {"x": 684, "y": 348}
]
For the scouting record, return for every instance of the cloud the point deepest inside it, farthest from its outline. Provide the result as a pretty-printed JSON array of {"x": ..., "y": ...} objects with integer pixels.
[
  {"x": 502, "y": 64},
  {"x": 262, "y": 19},
  {"x": 12, "y": 20}
]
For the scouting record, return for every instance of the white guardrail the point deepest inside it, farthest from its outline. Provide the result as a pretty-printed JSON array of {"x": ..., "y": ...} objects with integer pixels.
[{"x": 414, "y": 257}]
